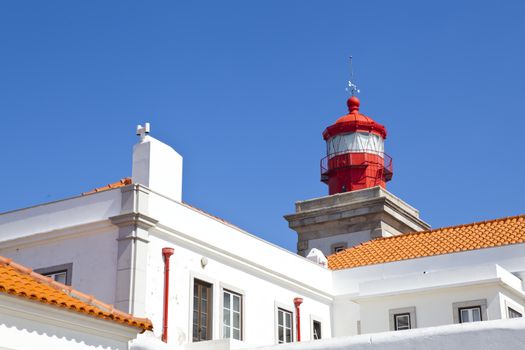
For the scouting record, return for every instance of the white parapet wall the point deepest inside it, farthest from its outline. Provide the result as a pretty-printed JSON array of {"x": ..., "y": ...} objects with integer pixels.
[{"x": 488, "y": 335}]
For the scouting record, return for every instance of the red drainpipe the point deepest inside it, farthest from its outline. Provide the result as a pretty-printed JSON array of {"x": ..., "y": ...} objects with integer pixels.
[
  {"x": 166, "y": 253},
  {"x": 298, "y": 302}
]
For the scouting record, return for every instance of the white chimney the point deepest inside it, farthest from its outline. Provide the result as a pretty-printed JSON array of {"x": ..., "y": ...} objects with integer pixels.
[{"x": 157, "y": 165}]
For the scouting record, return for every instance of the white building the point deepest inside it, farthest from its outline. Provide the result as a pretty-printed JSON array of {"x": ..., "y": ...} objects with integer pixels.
[
  {"x": 127, "y": 242},
  {"x": 38, "y": 312}
]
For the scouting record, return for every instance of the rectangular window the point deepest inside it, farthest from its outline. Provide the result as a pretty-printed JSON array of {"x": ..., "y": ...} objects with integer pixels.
[
  {"x": 202, "y": 300},
  {"x": 338, "y": 247},
  {"x": 58, "y": 276},
  {"x": 316, "y": 328},
  {"x": 59, "y": 273},
  {"x": 513, "y": 313},
  {"x": 284, "y": 326},
  {"x": 402, "y": 321},
  {"x": 470, "y": 314},
  {"x": 232, "y": 315}
]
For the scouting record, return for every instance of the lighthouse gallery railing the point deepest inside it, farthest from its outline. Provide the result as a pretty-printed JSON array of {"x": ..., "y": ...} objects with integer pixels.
[{"x": 335, "y": 161}]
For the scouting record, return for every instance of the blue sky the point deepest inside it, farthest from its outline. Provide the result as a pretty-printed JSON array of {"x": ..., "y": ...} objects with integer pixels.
[{"x": 244, "y": 89}]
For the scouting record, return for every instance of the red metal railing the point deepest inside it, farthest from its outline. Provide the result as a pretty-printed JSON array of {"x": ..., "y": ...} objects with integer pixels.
[{"x": 356, "y": 158}]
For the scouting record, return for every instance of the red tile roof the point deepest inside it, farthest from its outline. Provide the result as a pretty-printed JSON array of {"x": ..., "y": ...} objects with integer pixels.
[
  {"x": 123, "y": 182},
  {"x": 21, "y": 281},
  {"x": 446, "y": 240}
]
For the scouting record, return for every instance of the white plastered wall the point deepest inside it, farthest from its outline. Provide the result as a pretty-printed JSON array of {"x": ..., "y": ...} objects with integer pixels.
[
  {"x": 260, "y": 296},
  {"x": 93, "y": 256},
  {"x": 267, "y": 276},
  {"x": 433, "y": 308}
]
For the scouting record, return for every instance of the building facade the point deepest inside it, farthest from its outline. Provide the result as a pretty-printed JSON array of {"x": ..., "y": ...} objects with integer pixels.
[{"x": 205, "y": 282}]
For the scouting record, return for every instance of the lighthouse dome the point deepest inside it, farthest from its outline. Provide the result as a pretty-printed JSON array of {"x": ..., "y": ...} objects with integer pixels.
[{"x": 354, "y": 122}]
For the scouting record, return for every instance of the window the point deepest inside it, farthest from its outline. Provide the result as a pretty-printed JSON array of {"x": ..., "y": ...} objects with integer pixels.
[
  {"x": 59, "y": 273},
  {"x": 513, "y": 313},
  {"x": 316, "y": 330},
  {"x": 470, "y": 311},
  {"x": 338, "y": 247},
  {"x": 202, "y": 299},
  {"x": 232, "y": 315},
  {"x": 402, "y": 318},
  {"x": 284, "y": 326},
  {"x": 401, "y": 321},
  {"x": 469, "y": 314}
]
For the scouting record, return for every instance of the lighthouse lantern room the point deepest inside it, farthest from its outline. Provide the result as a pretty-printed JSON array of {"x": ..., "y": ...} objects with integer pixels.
[{"x": 355, "y": 157}]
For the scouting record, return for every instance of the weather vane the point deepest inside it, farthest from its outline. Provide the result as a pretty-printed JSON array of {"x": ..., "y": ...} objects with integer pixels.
[{"x": 352, "y": 87}]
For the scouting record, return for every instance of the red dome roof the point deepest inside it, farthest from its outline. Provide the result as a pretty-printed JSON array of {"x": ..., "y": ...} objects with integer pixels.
[{"x": 354, "y": 122}]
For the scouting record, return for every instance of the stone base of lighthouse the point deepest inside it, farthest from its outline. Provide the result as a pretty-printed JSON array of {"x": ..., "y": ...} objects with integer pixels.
[{"x": 347, "y": 219}]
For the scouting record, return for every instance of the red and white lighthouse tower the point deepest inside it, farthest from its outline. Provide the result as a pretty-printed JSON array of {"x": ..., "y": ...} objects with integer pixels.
[{"x": 355, "y": 157}]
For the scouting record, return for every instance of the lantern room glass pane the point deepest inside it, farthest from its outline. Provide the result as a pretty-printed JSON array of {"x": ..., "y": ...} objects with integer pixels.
[{"x": 356, "y": 142}]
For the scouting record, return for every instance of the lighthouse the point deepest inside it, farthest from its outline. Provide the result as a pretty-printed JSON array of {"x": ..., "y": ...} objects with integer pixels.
[
  {"x": 355, "y": 157},
  {"x": 358, "y": 207}
]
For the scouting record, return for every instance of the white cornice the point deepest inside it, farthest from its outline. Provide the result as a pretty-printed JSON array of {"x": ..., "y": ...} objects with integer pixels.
[{"x": 46, "y": 237}]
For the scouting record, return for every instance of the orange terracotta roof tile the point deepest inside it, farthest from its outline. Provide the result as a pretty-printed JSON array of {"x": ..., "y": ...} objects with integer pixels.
[
  {"x": 123, "y": 182},
  {"x": 478, "y": 235},
  {"x": 21, "y": 281}
]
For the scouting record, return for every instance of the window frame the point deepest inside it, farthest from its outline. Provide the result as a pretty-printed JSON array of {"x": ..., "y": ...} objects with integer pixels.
[
  {"x": 396, "y": 324},
  {"x": 209, "y": 315},
  {"x": 511, "y": 309},
  {"x": 516, "y": 307},
  {"x": 410, "y": 311},
  {"x": 481, "y": 303},
  {"x": 314, "y": 321},
  {"x": 476, "y": 307},
  {"x": 286, "y": 308},
  {"x": 334, "y": 246},
  {"x": 241, "y": 294},
  {"x": 53, "y": 270}
]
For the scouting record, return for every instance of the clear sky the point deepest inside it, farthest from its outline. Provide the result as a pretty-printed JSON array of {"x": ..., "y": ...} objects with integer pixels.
[{"x": 244, "y": 89}]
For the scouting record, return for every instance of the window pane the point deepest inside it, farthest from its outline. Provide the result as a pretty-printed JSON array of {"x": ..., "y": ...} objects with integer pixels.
[
  {"x": 236, "y": 320},
  {"x": 402, "y": 321},
  {"x": 236, "y": 303},
  {"x": 464, "y": 315},
  {"x": 226, "y": 317},
  {"x": 288, "y": 335},
  {"x": 513, "y": 313},
  {"x": 195, "y": 303},
  {"x": 280, "y": 314},
  {"x": 226, "y": 330},
  {"x": 227, "y": 300},
  {"x": 281, "y": 334},
  {"x": 204, "y": 333},
  {"x": 60, "y": 277},
  {"x": 236, "y": 334},
  {"x": 288, "y": 320},
  {"x": 317, "y": 330},
  {"x": 476, "y": 315}
]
